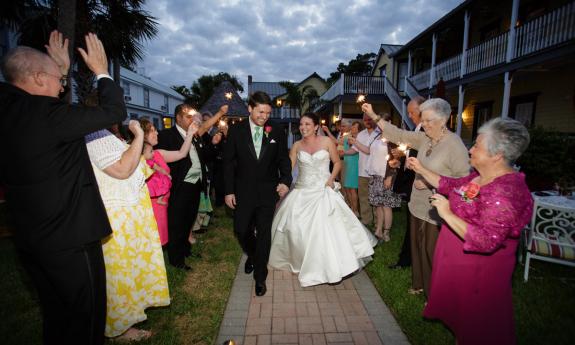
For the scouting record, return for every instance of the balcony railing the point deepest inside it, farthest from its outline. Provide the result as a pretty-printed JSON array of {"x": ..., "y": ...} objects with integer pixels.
[
  {"x": 285, "y": 112},
  {"x": 448, "y": 69},
  {"x": 551, "y": 29},
  {"x": 353, "y": 84},
  {"x": 546, "y": 31},
  {"x": 487, "y": 54}
]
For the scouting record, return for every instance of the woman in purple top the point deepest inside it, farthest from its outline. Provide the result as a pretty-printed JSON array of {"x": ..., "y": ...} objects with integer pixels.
[{"x": 483, "y": 215}]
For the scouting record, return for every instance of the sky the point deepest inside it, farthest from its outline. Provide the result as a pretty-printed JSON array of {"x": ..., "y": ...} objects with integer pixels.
[{"x": 276, "y": 40}]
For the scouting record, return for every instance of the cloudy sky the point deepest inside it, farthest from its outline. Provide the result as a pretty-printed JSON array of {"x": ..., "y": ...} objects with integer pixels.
[{"x": 276, "y": 40}]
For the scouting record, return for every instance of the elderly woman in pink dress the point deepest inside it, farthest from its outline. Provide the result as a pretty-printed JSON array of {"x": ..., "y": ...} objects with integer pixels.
[
  {"x": 483, "y": 215},
  {"x": 160, "y": 182}
]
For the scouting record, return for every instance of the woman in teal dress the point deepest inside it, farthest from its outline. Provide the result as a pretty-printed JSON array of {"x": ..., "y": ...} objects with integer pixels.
[{"x": 351, "y": 161}]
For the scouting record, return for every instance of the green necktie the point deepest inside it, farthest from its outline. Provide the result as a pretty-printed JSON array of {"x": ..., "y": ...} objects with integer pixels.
[{"x": 257, "y": 134}]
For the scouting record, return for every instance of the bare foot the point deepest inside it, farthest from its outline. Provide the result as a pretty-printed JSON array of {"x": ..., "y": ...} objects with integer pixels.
[{"x": 133, "y": 334}]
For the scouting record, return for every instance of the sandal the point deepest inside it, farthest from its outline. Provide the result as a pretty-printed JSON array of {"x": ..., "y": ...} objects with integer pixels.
[
  {"x": 133, "y": 334},
  {"x": 385, "y": 236},
  {"x": 413, "y": 291}
]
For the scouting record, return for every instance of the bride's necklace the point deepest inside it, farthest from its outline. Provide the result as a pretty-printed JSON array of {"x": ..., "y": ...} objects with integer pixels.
[{"x": 432, "y": 145}]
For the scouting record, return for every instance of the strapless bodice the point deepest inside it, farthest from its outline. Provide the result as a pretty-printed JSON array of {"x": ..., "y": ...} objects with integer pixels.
[{"x": 313, "y": 169}]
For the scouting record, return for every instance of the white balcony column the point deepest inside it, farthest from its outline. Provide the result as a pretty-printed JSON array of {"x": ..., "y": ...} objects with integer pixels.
[
  {"x": 342, "y": 86},
  {"x": 340, "y": 108},
  {"x": 506, "y": 94},
  {"x": 404, "y": 112},
  {"x": 432, "y": 69},
  {"x": 465, "y": 44},
  {"x": 409, "y": 63},
  {"x": 512, "y": 32},
  {"x": 460, "y": 109}
]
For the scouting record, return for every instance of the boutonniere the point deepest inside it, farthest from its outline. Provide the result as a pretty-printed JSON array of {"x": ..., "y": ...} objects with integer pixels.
[
  {"x": 469, "y": 192},
  {"x": 267, "y": 130}
]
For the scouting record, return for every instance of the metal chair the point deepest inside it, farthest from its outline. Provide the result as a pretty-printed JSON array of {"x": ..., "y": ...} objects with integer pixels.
[{"x": 550, "y": 236}]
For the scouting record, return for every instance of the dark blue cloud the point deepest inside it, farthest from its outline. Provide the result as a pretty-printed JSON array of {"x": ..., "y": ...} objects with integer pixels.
[{"x": 276, "y": 40}]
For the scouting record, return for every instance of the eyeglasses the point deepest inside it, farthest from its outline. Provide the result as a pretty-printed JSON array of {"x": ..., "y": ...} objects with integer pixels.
[
  {"x": 426, "y": 121},
  {"x": 63, "y": 79}
]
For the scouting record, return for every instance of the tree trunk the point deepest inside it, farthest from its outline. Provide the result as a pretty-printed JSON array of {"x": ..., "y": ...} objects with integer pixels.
[
  {"x": 66, "y": 25},
  {"x": 116, "y": 66}
]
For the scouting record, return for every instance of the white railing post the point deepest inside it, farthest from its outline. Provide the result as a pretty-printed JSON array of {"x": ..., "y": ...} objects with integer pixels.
[
  {"x": 342, "y": 86},
  {"x": 432, "y": 69},
  {"x": 463, "y": 70},
  {"x": 511, "y": 40},
  {"x": 506, "y": 95},
  {"x": 409, "y": 63},
  {"x": 460, "y": 109}
]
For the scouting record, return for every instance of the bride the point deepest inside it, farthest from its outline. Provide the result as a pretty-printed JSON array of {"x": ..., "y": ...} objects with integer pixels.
[{"x": 314, "y": 232}]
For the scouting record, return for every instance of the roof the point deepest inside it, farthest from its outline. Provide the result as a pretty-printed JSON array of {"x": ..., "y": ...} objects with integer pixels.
[
  {"x": 273, "y": 89},
  {"x": 313, "y": 75},
  {"x": 237, "y": 107},
  {"x": 140, "y": 79},
  {"x": 385, "y": 48},
  {"x": 433, "y": 26}
]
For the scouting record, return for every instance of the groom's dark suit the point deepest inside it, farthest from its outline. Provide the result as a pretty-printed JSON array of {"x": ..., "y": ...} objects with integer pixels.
[{"x": 254, "y": 181}]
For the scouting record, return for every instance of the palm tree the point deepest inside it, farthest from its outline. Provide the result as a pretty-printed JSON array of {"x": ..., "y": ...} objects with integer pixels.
[
  {"x": 120, "y": 24},
  {"x": 299, "y": 98},
  {"x": 203, "y": 88}
]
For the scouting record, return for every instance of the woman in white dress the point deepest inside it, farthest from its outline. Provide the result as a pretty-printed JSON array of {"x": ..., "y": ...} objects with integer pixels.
[{"x": 314, "y": 232}]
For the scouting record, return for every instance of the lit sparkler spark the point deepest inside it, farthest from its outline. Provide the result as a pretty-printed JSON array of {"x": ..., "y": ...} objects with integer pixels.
[
  {"x": 228, "y": 95},
  {"x": 360, "y": 99}
]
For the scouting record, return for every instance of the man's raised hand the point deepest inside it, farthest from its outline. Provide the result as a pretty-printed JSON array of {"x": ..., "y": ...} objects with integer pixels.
[
  {"x": 95, "y": 56},
  {"x": 57, "y": 48}
]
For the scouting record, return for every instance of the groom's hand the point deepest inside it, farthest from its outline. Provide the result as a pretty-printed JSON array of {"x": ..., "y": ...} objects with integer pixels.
[
  {"x": 230, "y": 200},
  {"x": 282, "y": 189}
]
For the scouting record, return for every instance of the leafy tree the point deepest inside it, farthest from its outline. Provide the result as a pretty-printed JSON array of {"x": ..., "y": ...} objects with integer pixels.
[
  {"x": 361, "y": 65},
  {"x": 299, "y": 98}
]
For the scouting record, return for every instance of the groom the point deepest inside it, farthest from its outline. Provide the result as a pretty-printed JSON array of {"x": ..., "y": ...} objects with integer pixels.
[{"x": 257, "y": 172}]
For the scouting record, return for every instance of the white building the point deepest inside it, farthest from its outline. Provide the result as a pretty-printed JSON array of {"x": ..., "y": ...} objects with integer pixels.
[{"x": 147, "y": 98}]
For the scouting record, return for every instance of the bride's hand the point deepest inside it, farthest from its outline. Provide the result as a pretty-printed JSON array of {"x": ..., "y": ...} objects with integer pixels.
[{"x": 330, "y": 183}]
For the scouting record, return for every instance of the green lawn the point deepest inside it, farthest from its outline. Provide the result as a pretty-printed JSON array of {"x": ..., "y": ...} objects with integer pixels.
[
  {"x": 543, "y": 306},
  {"x": 198, "y": 298}
]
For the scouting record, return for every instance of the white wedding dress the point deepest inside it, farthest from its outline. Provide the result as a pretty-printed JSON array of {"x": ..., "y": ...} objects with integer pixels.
[{"x": 314, "y": 232}]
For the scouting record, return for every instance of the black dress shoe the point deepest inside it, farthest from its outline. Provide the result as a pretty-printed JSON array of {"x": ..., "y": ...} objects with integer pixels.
[
  {"x": 183, "y": 267},
  {"x": 248, "y": 267},
  {"x": 261, "y": 289}
]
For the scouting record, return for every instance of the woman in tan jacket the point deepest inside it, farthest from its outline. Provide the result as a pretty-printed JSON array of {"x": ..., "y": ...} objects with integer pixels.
[{"x": 443, "y": 152}]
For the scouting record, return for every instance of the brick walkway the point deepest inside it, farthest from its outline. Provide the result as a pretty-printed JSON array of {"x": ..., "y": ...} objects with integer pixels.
[{"x": 351, "y": 312}]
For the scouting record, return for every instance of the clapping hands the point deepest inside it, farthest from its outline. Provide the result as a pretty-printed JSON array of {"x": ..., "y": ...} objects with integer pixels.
[{"x": 95, "y": 56}]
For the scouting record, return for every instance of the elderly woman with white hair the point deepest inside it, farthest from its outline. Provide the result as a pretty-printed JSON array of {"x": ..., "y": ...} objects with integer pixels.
[
  {"x": 443, "y": 152},
  {"x": 483, "y": 215}
]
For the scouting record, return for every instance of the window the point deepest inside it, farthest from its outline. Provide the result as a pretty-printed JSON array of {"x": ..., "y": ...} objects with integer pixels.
[
  {"x": 126, "y": 87},
  {"x": 146, "y": 98},
  {"x": 482, "y": 112},
  {"x": 133, "y": 116},
  {"x": 401, "y": 74},
  {"x": 382, "y": 70},
  {"x": 522, "y": 108}
]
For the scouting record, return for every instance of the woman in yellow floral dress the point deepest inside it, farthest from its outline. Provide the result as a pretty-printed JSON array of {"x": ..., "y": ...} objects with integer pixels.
[{"x": 135, "y": 270}]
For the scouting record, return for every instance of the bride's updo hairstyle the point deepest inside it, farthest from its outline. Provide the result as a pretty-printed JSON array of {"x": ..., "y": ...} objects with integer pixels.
[{"x": 314, "y": 118}]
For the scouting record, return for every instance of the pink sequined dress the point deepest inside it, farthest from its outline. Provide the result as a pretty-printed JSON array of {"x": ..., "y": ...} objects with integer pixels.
[
  {"x": 471, "y": 278},
  {"x": 159, "y": 185}
]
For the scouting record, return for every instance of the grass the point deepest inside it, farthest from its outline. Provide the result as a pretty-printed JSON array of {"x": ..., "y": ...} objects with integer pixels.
[
  {"x": 198, "y": 297},
  {"x": 543, "y": 306}
]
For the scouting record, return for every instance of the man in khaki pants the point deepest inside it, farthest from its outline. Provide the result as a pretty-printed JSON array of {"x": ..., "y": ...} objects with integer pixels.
[{"x": 365, "y": 137}]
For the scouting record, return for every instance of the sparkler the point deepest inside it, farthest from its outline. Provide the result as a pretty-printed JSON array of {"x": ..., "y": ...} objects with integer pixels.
[
  {"x": 228, "y": 96},
  {"x": 361, "y": 98}
]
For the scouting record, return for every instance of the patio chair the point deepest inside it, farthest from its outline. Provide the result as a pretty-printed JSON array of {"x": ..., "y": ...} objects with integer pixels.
[{"x": 550, "y": 236}]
